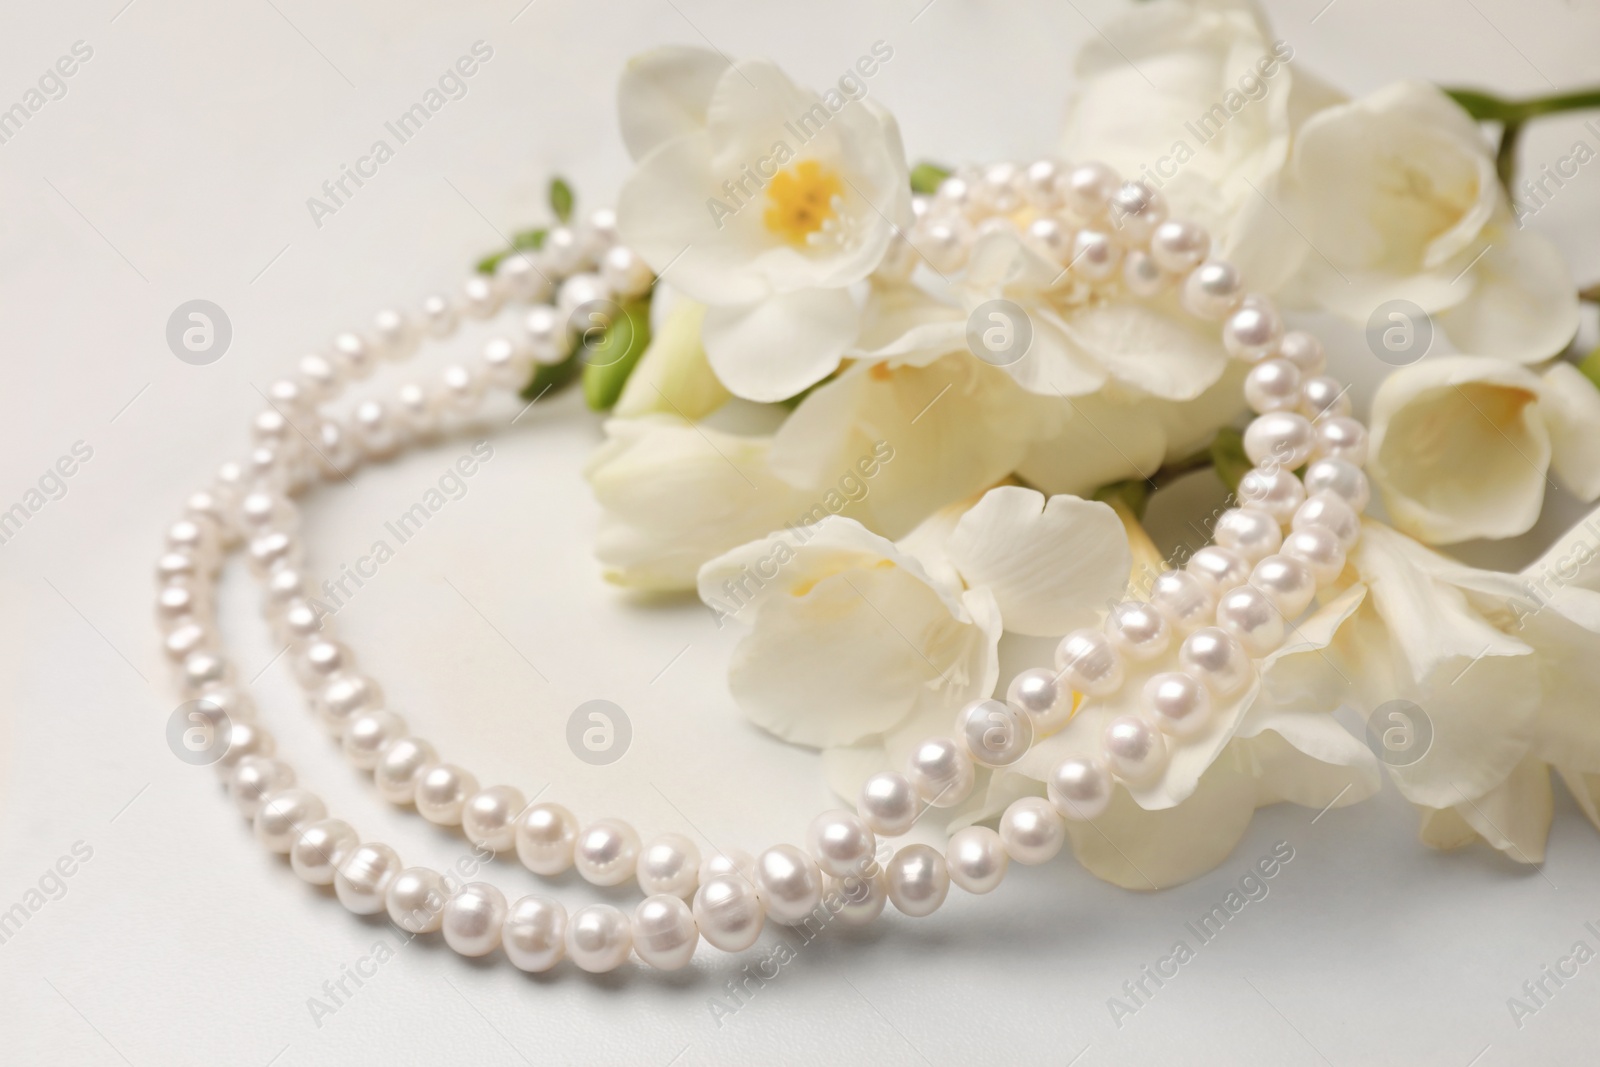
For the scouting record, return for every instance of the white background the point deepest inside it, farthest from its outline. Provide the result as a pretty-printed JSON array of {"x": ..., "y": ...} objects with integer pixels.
[{"x": 177, "y": 166}]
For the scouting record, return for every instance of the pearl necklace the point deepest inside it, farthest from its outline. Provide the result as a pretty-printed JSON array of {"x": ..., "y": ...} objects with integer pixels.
[{"x": 1229, "y": 606}]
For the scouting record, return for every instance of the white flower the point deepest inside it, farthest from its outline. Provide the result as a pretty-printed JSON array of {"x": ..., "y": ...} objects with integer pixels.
[
  {"x": 1197, "y": 99},
  {"x": 1273, "y": 742},
  {"x": 1462, "y": 446},
  {"x": 673, "y": 376},
  {"x": 1397, "y": 196},
  {"x": 674, "y": 494},
  {"x": 763, "y": 201},
  {"x": 862, "y": 647},
  {"x": 1501, "y": 669}
]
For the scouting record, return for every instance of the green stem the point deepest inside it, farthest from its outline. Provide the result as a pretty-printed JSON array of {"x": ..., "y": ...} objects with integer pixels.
[
  {"x": 1505, "y": 158},
  {"x": 1591, "y": 293},
  {"x": 1512, "y": 115}
]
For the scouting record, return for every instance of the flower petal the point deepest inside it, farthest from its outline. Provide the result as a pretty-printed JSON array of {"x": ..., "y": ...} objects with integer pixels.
[
  {"x": 664, "y": 93},
  {"x": 1514, "y": 817},
  {"x": 1523, "y": 307},
  {"x": 1571, "y": 407},
  {"x": 775, "y": 348},
  {"x": 673, "y": 376},
  {"x": 1158, "y": 349},
  {"x": 1051, "y": 564}
]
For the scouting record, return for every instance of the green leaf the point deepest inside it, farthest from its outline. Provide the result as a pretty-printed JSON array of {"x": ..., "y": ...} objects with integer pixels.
[
  {"x": 926, "y": 177},
  {"x": 1228, "y": 458},
  {"x": 552, "y": 378},
  {"x": 607, "y": 364},
  {"x": 561, "y": 199},
  {"x": 525, "y": 241},
  {"x": 1134, "y": 494},
  {"x": 1589, "y": 367}
]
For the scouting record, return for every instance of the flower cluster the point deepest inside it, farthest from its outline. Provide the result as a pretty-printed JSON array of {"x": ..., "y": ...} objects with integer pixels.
[{"x": 880, "y": 408}]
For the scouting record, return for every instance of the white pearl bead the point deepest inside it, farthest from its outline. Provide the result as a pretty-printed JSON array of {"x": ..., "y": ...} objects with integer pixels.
[
  {"x": 1080, "y": 789},
  {"x": 1178, "y": 703},
  {"x": 319, "y": 377},
  {"x": 399, "y": 766},
  {"x": 1032, "y": 831},
  {"x": 1277, "y": 492},
  {"x": 394, "y": 334},
  {"x": 1253, "y": 331},
  {"x": 549, "y": 339},
  {"x": 1216, "y": 660},
  {"x": 995, "y": 733},
  {"x": 976, "y": 859},
  {"x": 1088, "y": 663},
  {"x": 919, "y": 880},
  {"x": 944, "y": 242},
  {"x": 1272, "y": 385},
  {"x": 599, "y": 938},
  {"x": 254, "y": 777},
  {"x": 1186, "y": 601},
  {"x": 578, "y": 291},
  {"x": 888, "y": 803},
  {"x": 669, "y": 864},
  {"x": 364, "y": 877},
  {"x": 320, "y": 659},
  {"x": 598, "y": 233},
  {"x": 546, "y": 838},
  {"x": 941, "y": 772},
  {"x": 1178, "y": 246},
  {"x": 203, "y": 668},
  {"x": 1250, "y": 533},
  {"x": 729, "y": 861},
  {"x": 298, "y": 621},
  {"x": 1219, "y": 568},
  {"x": 840, "y": 842},
  {"x": 790, "y": 884},
  {"x": 1134, "y": 750},
  {"x": 489, "y": 817},
  {"x": 244, "y": 739},
  {"x": 281, "y": 815},
  {"x": 341, "y": 697},
  {"x": 859, "y": 897},
  {"x": 524, "y": 282},
  {"x": 418, "y": 409},
  {"x": 1087, "y": 190},
  {"x": 1324, "y": 396},
  {"x": 534, "y": 934},
  {"x": 186, "y": 639},
  {"x": 461, "y": 388},
  {"x": 481, "y": 296},
  {"x": 1287, "y": 582},
  {"x": 442, "y": 792},
  {"x": 1212, "y": 290},
  {"x": 625, "y": 272},
  {"x": 474, "y": 919},
  {"x": 320, "y": 849},
  {"x": 375, "y": 430},
  {"x": 998, "y": 188},
  {"x": 1341, "y": 437},
  {"x": 1138, "y": 630},
  {"x": 1050, "y": 239},
  {"x": 353, "y": 356},
  {"x": 1136, "y": 210},
  {"x": 438, "y": 315},
  {"x": 664, "y": 932},
  {"x": 563, "y": 249},
  {"x": 1250, "y": 616},
  {"x": 367, "y": 733},
  {"x": 1095, "y": 255},
  {"x": 729, "y": 912},
  {"x": 1039, "y": 183},
  {"x": 1319, "y": 549},
  {"x": 1038, "y": 692},
  {"x": 415, "y": 899},
  {"x": 175, "y": 566},
  {"x": 1342, "y": 478},
  {"x": 954, "y": 195},
  {"x": 228, "y": 703},
  {"x": 505, "y": 364},
  {"x": 606, "y": 852},
  {"x": 1333, "y": 514},
  {"x": 1304, "y": 351},
  {"x": 1279, "y": 438},
  {"x": 1142, "y": 275}
]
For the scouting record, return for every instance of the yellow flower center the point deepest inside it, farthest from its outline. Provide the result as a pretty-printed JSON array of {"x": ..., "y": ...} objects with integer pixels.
[{"x": 800, "y": 200}]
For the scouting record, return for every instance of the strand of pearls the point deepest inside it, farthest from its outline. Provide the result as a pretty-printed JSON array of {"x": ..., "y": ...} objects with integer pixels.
[{"x": 1233, "y": 603}]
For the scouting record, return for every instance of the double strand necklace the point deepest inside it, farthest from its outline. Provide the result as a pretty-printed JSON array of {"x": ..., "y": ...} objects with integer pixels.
[{"x": 1229, "y": 606}]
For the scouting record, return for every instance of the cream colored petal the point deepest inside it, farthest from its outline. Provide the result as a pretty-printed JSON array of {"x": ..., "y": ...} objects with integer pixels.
[
  {"x": 1158, "y": 349},
  {"x": 673, "y": 376},
  {"x": 1052, "y": 565},
  {"x": 1524, "y": 305},
  {"x": 1515, "y": 816},
  {"x": 774, "y": 349},
  {"x": 1307, "y": 758},
  {"x": 664, "y": 94},
  {"x": 1571, "y": 408},
  {"x": 1460, "y": 449},
  {"x": 1109, "y": 437}
]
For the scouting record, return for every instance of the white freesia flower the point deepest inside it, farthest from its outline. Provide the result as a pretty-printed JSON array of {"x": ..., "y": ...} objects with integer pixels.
[
  {"x": 862, "y": 647},
  {"x": 674, "y": 494},
  {"x": 1273, "y": 742},
  {"x": 1198, "y": 99},
  {"x": 765, "y": 202},
  {"x": 1397, "y": 196},
  {"x": 1501, "y": 669},
  {"x": 1462, "y": 446}
]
